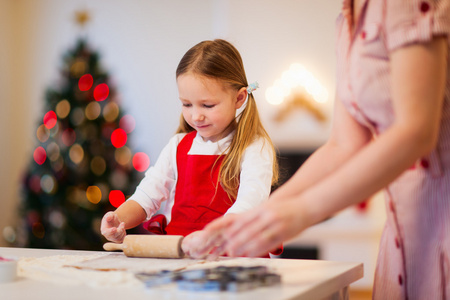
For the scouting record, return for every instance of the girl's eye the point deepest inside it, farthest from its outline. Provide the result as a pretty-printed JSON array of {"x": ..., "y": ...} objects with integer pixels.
[
  {"x": 186, "y": 104},
  {"x": 208, "y": 106}
]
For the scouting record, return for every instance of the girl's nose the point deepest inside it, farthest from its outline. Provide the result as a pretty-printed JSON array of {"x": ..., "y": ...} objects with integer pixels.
[{"x": 197, "y": 115}]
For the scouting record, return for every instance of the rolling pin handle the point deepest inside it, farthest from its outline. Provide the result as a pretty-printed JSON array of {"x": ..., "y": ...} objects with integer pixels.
[{"x": 113, "y": 247}]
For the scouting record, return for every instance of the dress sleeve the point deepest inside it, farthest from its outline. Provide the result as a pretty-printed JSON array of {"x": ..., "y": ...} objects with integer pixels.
[
  {"x": 159, "y": 180},
  {"x": 415, "y": 21},
  {"x": 255, "y": 178}
]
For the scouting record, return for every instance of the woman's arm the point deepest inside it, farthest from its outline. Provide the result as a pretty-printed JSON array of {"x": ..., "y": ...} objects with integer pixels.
[{"x": 418, "y": 83}]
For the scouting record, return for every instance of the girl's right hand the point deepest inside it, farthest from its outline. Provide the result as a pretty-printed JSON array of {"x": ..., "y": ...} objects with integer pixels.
[{"x": 112, "y": 229}]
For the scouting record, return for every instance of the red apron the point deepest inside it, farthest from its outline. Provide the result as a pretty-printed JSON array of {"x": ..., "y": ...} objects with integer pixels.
[{"x": 199, "y": 197}]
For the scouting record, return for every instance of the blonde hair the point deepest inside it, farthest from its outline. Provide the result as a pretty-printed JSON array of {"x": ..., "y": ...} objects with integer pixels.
[{"x": 218, "y": 59}]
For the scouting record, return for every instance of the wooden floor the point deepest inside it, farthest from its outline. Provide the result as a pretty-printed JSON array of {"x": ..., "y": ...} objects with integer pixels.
[{"x": 360, "y": 294}]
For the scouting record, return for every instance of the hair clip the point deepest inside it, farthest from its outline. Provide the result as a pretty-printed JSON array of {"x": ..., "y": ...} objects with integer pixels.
[{"x": 253, "y": 86}]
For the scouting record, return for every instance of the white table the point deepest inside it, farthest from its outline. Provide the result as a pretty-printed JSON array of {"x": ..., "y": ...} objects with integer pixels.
[{"x": 301, "y": 279}]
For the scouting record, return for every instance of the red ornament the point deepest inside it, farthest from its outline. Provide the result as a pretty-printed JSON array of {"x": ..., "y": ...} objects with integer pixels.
[
  {"x": 116, "y": 198},
  {"x": 68, "y": 137},
  {"x": 85, "y": 82},
  {"x": 101, "y": 92},
  {"x": 127, "y": 123},
  {"x": 50, "y": 119},
  {"x": 35, "y": 183},
  {"x": 39, "y": 155},
  {"x": 119, "y": 138},
  {"x": 141, "y": 161}
]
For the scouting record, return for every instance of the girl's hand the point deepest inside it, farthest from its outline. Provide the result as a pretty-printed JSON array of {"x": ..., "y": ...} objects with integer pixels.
[
  {"x": 194, "y": 245},
  {"x": 209, "y": 242},
  {"x": 111, "y": 228}
]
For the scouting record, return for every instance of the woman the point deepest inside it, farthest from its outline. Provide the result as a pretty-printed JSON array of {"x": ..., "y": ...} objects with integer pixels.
[{"x": 391, "y": 129}]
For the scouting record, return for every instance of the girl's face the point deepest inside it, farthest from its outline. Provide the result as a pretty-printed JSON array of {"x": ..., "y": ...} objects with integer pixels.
[{"x": 208, "y": 105}]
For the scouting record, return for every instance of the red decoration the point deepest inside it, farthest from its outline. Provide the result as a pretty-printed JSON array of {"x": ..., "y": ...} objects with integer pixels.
[
  {"x": 68, "y": 137},
  {"x": 141, "y": 161},
  {"x": 101, "y": 92},
  {"x": 35, "y": 183},
  {"x": 127, "y": 123},
  {"x": 362, "y": 206},
  {"x": 50, "y": 119},
  {"x": 85, "y": 82},
  {"x": 119, "y": 138},
  {"x": 116, "y": 198},
  {"x": 39, "y": 155}
]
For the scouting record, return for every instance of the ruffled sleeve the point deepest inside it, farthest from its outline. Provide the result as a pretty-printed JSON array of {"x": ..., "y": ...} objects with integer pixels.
[{"x": 415, "y": 21}]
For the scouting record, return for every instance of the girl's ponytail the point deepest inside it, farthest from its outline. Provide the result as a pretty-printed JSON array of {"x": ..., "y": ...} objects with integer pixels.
[{"x": 249, "y": 127}]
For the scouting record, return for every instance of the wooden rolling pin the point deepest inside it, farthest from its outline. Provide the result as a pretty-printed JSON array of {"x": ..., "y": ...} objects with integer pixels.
[{"x": 157, "y": 246}]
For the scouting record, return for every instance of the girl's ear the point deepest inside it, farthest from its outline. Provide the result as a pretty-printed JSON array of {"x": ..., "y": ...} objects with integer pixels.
[{"x": 241, "y": 97}]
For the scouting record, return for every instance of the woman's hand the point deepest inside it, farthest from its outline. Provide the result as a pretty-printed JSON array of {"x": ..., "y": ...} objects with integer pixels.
[
  {"x": 252, "y": 234},
  {"x": 111, "y": 228},
  {"x": 208, "y": 243},
  {"x": 263, "y": 229}
]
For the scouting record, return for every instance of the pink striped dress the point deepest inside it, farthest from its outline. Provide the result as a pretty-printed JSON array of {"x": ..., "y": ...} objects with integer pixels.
[{"x": 414, "y": 255}]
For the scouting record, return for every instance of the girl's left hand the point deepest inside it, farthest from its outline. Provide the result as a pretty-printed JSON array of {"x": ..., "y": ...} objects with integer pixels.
[{"x": 208, "y": 242}]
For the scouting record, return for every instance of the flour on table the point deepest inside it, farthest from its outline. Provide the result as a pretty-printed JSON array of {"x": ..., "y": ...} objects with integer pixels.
[
  {"x": 114, "y": 269},
  {"x": 98, "y": 270},
  {"x": 56, "y": 269}
]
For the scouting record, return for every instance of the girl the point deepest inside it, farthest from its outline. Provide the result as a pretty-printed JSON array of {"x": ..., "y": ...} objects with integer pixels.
[
  {"x": 217, "y": 162},
  {"x": 391, "y": 130}
]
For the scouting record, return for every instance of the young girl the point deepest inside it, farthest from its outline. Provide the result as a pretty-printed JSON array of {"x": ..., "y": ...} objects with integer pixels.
[{"x": 217, "y": 163}]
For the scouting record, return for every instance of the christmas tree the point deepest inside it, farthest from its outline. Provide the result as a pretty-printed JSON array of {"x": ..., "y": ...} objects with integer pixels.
[{"x": 82, "y": 166}]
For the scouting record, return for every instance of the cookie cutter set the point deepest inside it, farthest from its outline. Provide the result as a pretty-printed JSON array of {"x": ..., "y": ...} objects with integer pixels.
[{"x": 222, "y": 278}]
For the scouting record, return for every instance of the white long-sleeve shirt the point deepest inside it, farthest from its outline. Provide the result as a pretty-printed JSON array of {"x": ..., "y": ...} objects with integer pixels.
[{"x": 156, "y": 191}]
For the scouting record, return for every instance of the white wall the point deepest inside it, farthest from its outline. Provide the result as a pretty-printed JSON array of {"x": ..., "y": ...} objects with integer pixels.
[{"x": 141, "y": 43}]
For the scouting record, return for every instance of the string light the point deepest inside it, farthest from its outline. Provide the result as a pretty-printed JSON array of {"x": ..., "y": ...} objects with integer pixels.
[
  {"x": 94, "y": 194},
  {"x": 77, "y": 116},
  {"x": 58, "y": 164},
  {"x": 76, "y": 153},
  {"x": 110, "y": 112},
  {"x": 42, "y": 133},
  {"x": 98, "y": 165},
  {"x": 141, "y": 161},
  {"x": 78, "y": 67},
  {"x": 101, "y": 92},
  {"x": 85, "y": 82},
  {"x": 119, "y": 138},
  {"x": 127, "y": 123},
  {"x": 34, "y": 183},
  {"x": 48, "y": 184},
  {"x": 116, "y": 198},
  {"x": 123, "y": 155},
  {"x": 50, "y": 119},
  {"x": 38, "y": 230},
  {"x": 68, "y": 137},
  {"x": 39, "y": 155},
  {"x": 118, "y": 179},
  {"x": 53, "y": 151},
  {"x": 92, "y": 110},
  {"x": 63, "y": 109}
]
